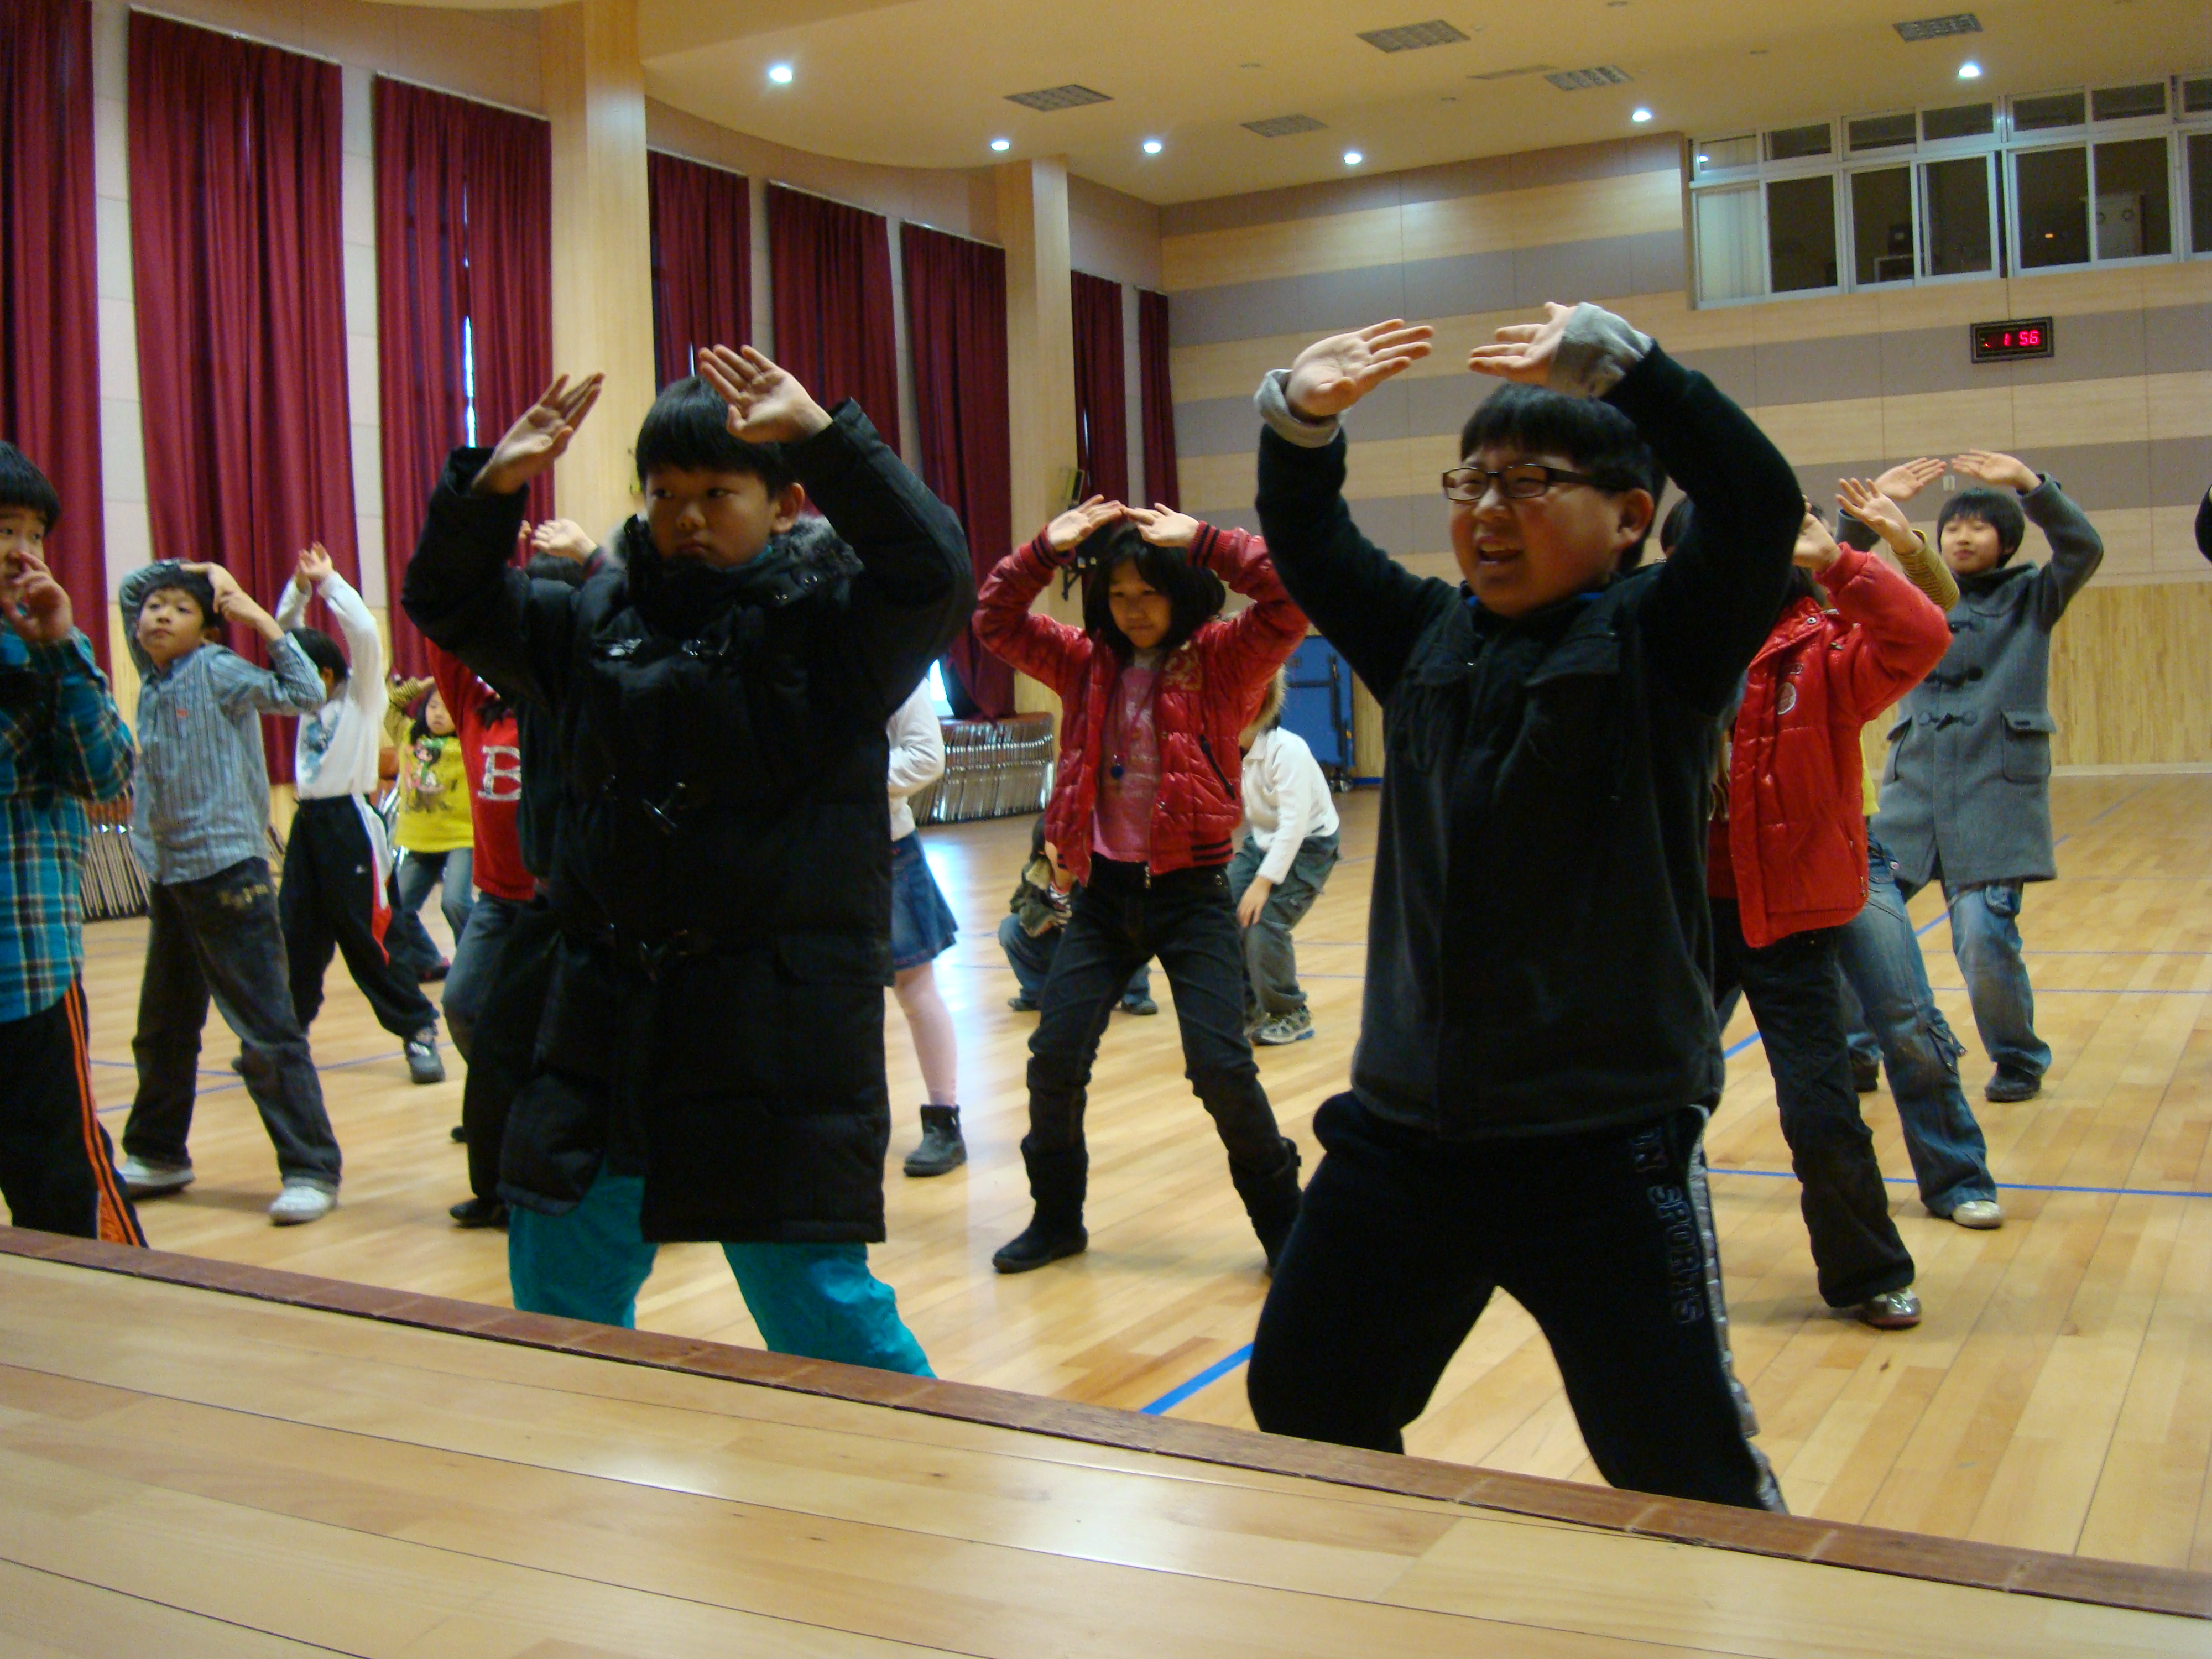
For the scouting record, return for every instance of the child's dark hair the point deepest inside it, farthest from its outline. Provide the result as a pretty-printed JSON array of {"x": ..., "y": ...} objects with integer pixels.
[
  {"x": 1594, "y": 437},
  {"x": 21, "y": 484},
  {"x": 193, "y": 584},
  {"x": 322, "y": 650},
  {"x": 1675, "y": 526},
  {"x": 2000, "y": 509},
  {"x": 1194, "y": 597},
  {"x": 687, "y": 430}
]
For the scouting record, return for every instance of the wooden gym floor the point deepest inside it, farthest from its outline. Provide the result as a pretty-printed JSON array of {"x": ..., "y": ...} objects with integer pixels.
[{"x": 2058, "y": 1397}]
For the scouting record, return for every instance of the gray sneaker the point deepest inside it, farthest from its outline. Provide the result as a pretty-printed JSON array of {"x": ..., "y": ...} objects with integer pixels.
[
  {"x": 143, "y": 1180},
  {"x": 423, "y": 1062},
  {"x": 1294, "y": 1027},
  {"x": 1892, "y": 1310},
  {"x": 1982, "y": 1214}
]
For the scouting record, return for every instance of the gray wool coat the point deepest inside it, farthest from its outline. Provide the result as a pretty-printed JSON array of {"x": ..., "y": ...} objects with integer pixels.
[{"x": 1966, "y": 795}]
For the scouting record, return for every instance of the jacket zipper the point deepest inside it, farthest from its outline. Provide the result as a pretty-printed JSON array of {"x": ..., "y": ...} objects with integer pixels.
[{"x": 1206, "y": 747}]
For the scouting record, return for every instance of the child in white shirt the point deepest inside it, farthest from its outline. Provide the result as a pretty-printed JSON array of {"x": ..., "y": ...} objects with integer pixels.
[{"x": 1290, "y": 846}]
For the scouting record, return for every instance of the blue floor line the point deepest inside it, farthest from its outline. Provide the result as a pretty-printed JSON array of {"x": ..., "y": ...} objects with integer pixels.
[
  {"x": 231, "y": 1080},
  {"x": 1206, "y": 1378}
]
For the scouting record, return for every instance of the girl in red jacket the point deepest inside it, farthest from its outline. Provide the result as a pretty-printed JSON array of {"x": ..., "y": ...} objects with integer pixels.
[
  {"x": 1787, "y": 867},
  {"x": 1153, "y": 691}
]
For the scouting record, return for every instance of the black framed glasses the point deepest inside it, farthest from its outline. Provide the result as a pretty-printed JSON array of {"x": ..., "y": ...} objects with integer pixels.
[{"x": 1523, "y": 481}]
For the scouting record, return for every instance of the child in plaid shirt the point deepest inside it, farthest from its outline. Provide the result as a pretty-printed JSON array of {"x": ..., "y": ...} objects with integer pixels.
[{"x": 62, "y": 743}]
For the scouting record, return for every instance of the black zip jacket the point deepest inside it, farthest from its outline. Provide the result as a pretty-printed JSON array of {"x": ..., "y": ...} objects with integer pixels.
[{"x": 1538, "y": 950}]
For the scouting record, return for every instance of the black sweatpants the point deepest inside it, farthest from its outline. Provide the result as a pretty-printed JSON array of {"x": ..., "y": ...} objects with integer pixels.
[
  {"x": 1605, "y": 1238},
  {"x": 1796, "y": 995},
  {"x": 57, "y": 1166},
  {"x": 328, "y": 905},
  {"x": 503, "y": 1034}
]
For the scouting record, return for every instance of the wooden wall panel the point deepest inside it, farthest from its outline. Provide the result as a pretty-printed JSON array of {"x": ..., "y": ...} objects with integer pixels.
[{"x": 2131, "y": 676}]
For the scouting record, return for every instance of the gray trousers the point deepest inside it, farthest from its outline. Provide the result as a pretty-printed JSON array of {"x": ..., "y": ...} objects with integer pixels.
[{"x": 1271, "y": 963}]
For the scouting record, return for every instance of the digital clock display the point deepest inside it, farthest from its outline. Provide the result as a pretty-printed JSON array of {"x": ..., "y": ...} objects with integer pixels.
[{"x": 2023, "y": 336}]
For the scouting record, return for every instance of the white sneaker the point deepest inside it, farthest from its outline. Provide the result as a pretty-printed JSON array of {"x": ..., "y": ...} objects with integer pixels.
[
  {"x": 1979, "y": 1213},
  {"x": 144, "y": 1180},
  {"x": 301, "y": 1201}
]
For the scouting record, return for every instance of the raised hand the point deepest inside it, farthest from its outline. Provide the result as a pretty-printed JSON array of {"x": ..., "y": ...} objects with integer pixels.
[
  {"x": 1331, "y": 375},
  {"x": 1162, "y": 527},
  {"x": 2006, "y": 471},
  {"x": 1524, "y": 351},
  {"x": 768, "y": 405},
  {"x": 35, "y": 606},
  {"x": 1872, "y": 507},
  {"x": 1072, "y": 527},
  {"x": 228, "y": 593},
  {"x": 563, "y": 538},
  {"x": 314, "y": 565},
  {"x": 539, "y": 437},
  {"x": 1908, "y": 478}
]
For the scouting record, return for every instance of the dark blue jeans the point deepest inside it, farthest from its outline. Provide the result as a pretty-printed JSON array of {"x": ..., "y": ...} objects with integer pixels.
[
  {"x": 1030, "y": 954},
  {"x": 1887, "y": 980}
]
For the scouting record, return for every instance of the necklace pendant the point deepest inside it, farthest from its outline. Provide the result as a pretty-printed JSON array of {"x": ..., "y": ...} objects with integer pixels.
[{"x": 1115, "y": 771}]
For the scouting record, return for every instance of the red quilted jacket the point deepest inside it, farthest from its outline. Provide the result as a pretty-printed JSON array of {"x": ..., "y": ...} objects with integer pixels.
[
  {"x": 1794, "y": 837},
  {"x": 1209, "y": 690}
]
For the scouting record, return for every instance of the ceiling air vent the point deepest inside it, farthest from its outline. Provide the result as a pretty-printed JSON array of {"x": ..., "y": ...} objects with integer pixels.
[
  {"x": 1510, "y": 74},
  {"x": 1282, "y": 126},
  {"x": 1052, "y": 98},
  {"x": 1411, "y": 37},
  {"x": 1605, "y": 74},
  {"x": 1936, "y": 28}
]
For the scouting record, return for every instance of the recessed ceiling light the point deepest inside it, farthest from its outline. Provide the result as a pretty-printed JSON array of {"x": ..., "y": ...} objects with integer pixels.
[
  {"x": 1970, "y": 71},
  {"x": 780, "y": 73},
  {"x": 1352, "y": 158},
  {"x": 1639, "y": 115},
  {"x": 1152, "y": 147},
  {"x": 1002, "y": 145}
]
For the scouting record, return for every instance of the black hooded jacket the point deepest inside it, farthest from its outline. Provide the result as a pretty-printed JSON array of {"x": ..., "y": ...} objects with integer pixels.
[{"x": 720, "y": 864}]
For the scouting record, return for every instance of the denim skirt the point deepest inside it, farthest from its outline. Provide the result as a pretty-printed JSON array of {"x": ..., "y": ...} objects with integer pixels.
[{"x": 922, "y": 928}]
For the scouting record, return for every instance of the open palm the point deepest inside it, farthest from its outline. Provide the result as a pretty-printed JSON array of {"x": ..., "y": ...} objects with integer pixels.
[
  {"x": 540, "y": 436},
  {"x": 768, "y": 405},
  {"x": 1331, "y": 375}
]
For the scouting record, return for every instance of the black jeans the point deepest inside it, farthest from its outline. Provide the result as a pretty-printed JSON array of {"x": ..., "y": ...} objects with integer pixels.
[
  {"x": 219, "y": 936},
  {"x": 1796, "y": 997},
  {"x": 512, "y": 986},
  {"x": 1605, "y": 1238},
  {"x": 57, "y": 1168},
  {"x": 1122, "y": 920},
  {"x": 328, "y": 905}
]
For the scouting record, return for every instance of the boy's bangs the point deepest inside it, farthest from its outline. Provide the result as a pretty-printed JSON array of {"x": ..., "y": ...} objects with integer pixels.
[
  {"x": 21, "y": 484},
  {"x": 1593, "y": 436},
  {"x": 2000, "y": 509},
  {"x": 687, "y": 430},
  {"x": 175, "y": 579}
]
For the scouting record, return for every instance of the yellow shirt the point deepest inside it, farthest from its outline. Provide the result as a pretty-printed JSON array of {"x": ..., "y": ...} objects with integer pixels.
[
  {"x": 433, "y": 813},
  {"x": 1926, "y": 571}
]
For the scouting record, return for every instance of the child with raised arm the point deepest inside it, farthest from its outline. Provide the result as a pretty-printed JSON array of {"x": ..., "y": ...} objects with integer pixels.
[
  {"x": 1966, "y": 799},
  {"x": 1153, "y": 688},
  {"x": 1290, "y": 848},
  {"x": 61, "y": 745},
  {"x": 337, "y": 865},
  {"x": 433, "y": 831},
  {"x": 1538, "y": 1052},
  {"x": 199, "y": 827},
  {"x": 710, "y": 1060}
]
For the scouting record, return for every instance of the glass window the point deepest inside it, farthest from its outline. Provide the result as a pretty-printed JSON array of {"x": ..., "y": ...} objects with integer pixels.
[
  {"x": 1801, "y": 232},
  {"x": 2196, "y": 94},
  {"x": 1716, "y": 155},
  {"x": 1728, "y": 263},
  {"x": 1880, "y": 132},
  {"x": 2200, "y": 191},
  {"x": 1795, "y": 143},
  {"x": 2133, "y": 218},
  {"x": 2127, "y": 103},
  {"x": 2056, "y": 109},
  {"x": 1954, "y": 200},
  {"x": 1959, "y": 121},
  {"x": 2051, "y": 190},
  {"x": 1881, "y": 226}
]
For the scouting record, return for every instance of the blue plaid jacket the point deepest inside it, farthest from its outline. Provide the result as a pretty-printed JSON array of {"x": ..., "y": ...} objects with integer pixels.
[{"x": 62, "y": 743}]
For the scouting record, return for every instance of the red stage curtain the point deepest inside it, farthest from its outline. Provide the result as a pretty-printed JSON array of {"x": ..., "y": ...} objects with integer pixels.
[
  {"x": 956, "y": 325},
  {"x": 235, "y": 246},
  {"x": 465, "y": 268},
  {"x": 1102, "y": 392},
  {"x": 49, "y": 286},
  {"x": 703, "y": 260},
  {"x": 1157, "y": 393},
  {"x": 830, "y": 278}
]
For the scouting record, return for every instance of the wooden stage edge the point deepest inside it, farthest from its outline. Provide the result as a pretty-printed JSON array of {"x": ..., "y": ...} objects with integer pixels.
[{"x": 1868, "y": 1549}]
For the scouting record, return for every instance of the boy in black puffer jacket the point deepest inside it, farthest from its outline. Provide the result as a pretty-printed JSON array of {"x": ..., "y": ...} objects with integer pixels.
[{"x": 710, "y": 1059}]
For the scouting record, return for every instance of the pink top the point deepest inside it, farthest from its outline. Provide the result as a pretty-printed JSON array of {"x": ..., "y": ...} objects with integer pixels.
[{"x": 1129, "y": 766}]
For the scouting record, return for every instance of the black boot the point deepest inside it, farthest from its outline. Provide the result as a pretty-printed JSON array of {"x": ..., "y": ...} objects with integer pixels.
[
  {"x": 1271, "y": 1198},
  {"x": 942, "y": 1150},
  {"x": 1057, "y": 1181},
  {"x": 479, "y": 1212}
]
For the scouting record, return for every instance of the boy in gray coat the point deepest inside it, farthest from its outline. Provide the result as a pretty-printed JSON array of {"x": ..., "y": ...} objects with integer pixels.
[{"x": 1966, "y": 798}]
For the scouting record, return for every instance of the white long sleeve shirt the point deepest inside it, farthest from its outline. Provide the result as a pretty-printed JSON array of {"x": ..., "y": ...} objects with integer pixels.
[
  {"x": 917, "y": 754},
  {"x": 338, "y": 745},
  {"x": 1287, "y": 799}
]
